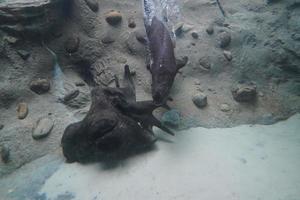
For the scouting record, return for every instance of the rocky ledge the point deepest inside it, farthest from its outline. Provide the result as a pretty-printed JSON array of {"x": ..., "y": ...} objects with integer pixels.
[{"x": 29, "y": 17}]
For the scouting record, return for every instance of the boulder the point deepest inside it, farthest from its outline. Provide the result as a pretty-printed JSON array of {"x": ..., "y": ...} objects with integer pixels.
[
  {"x": 40, "y": 86},
  {"x": 244, "y": 93}
]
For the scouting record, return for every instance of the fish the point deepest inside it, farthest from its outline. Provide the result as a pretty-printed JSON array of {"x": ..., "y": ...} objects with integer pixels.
[{"x": 163, "y": 65}]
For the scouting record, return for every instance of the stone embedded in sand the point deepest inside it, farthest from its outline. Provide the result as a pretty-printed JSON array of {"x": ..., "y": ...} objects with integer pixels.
[
  {"x": 225, "y": 107},
  {"x": 171, "y": 118},
  {"x": 22, "y": 110},
  {"x": 131, "y": 22},
  {"x": 23, "y": 54},
  {"x": 227, "y": 55},
  {"x": 72, "y": 44},
  {"x": 210, "y": 29},
  {"x": 141, "y": 36},
  {"x": 200, "y": 100},
  {"x": 5, "y": 152},
  {"x": 43, "y": 128},
  {"x": 107, "y": 39},
  {"x": 40, "y": 86},
  {"x": 205, "y": 63},
  {"x": 195, "y": 35},
  {"x": 93, "y": 5},
  {"x": 181, "y": 61},
  {"x": 70, "y": 95},
  {"x": 113, "y": 17},
  {"x": 179, "y": 29},
  {"x": 11, "y": 39},
  {"x": 224, "y": 39},
  {"x": 244, "y": 93}
]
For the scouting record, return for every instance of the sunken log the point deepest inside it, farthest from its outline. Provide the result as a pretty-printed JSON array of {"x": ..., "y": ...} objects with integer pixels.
[{"x": 115, "y": 124}]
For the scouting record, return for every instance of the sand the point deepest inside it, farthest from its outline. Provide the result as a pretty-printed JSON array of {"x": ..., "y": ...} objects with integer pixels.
[{"x": 244, "y": 162}]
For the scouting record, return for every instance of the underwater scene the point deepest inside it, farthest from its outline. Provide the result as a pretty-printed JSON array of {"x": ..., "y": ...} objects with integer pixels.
[{"x": 149, "y": 99}]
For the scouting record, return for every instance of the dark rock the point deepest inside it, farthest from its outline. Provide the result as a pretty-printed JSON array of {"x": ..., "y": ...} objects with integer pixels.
[
  {"x": 5, "y": 153},
  {"x": 116, "y": 124},
  {"x": 210, "y": 29},
  {"x": 200, "y": 100},
  {"x": 72, "y": 44},
  {"x": 224, "y": 39},
  {"x": 171, "y": 118},
  {"x": 23, "y": 54},
  {"x": 182, "y": 61},
  {"x": 131, "y": 22},
  {"x": 113, "y": 17},
  {"x": 93, "y": 5},
  {"x": 43, "y": 128},
  {"x": 22, "y": 110},
  {"x": 70, "y": 95},
  {"x": 179, "y": 29},
  {"x": 195, "y": 35},
  {"x": 141, "y": 36},
  {"x": 1, "y": 126},
  {"x": 40, "y": 86},
  {"x": 108, "y": 40},
  {"x": 244, "y": 93},
  {"x": 80, "y": 84}
]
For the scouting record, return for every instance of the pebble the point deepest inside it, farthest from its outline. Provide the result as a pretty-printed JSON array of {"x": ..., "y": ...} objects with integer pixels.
[
  {"x": 261, "y": 94},
  {"x": 43, "y": 128},
  {"x": 181, "y": 61},
  {"x": 131, "y": 22},
  {"x": 205, "y": 63},
  {"x": 11, "y": 39},
  {"x": 40, "y": 86},
  {"x": 210, "y": 29},
  {"x": 227, "y": 55},
  {"x": 179, "y": 29},
  {"x": 224, "y": 39},
  {"x": 197, "y": 82},
  {"x": 93, "y": 5},
  {"x": 195, "y": 35},
  {"x": 23, "y": 54},
  {"x": 70, "y": 95},
  {"x": 22, "y": 110},
  {"x": 141, "y": 36},
  {"x": 225, "y": 107},
  {"x": 72, "y": 44},
  {"x": 113, "y": 17},
  {"x": 200, "y": 100},
  {"x": 108, "y": 40},
  {"x": 244, "y": 93},
  {"x": 1, "y": 126},
  {"x": 5, "y": 152},
  {"x": 171, "y": 118},
  {"x": 80, "y": 84}
]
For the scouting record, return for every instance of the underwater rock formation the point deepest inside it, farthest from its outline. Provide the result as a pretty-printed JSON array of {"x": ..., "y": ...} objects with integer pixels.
[
  {"x": 29, "y": 17},
  {"x": 115, "y": 124}
]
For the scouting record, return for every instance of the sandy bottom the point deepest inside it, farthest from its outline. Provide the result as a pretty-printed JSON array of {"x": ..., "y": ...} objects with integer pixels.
[{"x": 246, "y": 162}]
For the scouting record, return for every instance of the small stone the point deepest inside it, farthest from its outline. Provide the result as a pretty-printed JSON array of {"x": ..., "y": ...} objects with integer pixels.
[
  {"x": 179, "y": 29},
  {"x": 261, "y": 94},
  {"x": 141, "y": 36},
  {"x": 93, "y": 5},
  {"x": 108, "y": 40},
  {"x": 11, "y": 39},
  {"x": 80, "y": 84},
  {"x": 72, "y": 44},
  {"x": 132, "y": 72},
  {"x": 181, "y": 62},
  {"x": 22, "y": 110},
  {"x": 70, "y": 95},
  {"x": 227, "y": 55},
  {"x": 197, "y": 82},
  {"x": 5, "y": 152},
  {"x": 205, "y": 63},
  {"x": 225, "y": 107},
  {"x": 131, "y": 22},
  {"x": 23, "y": 54},
  {"x": 113, "y": 17},
  {"x": 1, "y": 126},
  {"x": 187, "y": 27},
  {"x": 244, "y": 93},
  {"x": 40, "y": 86},
  {"x": 195, "y": 35},
  {"x": 210, "y": 29},
  {"x": 171, "y": 118},
  {"x": 43, "y": 128},
  {"x": 224, "y": 39},
  {"x": 200, "y": 100}
]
